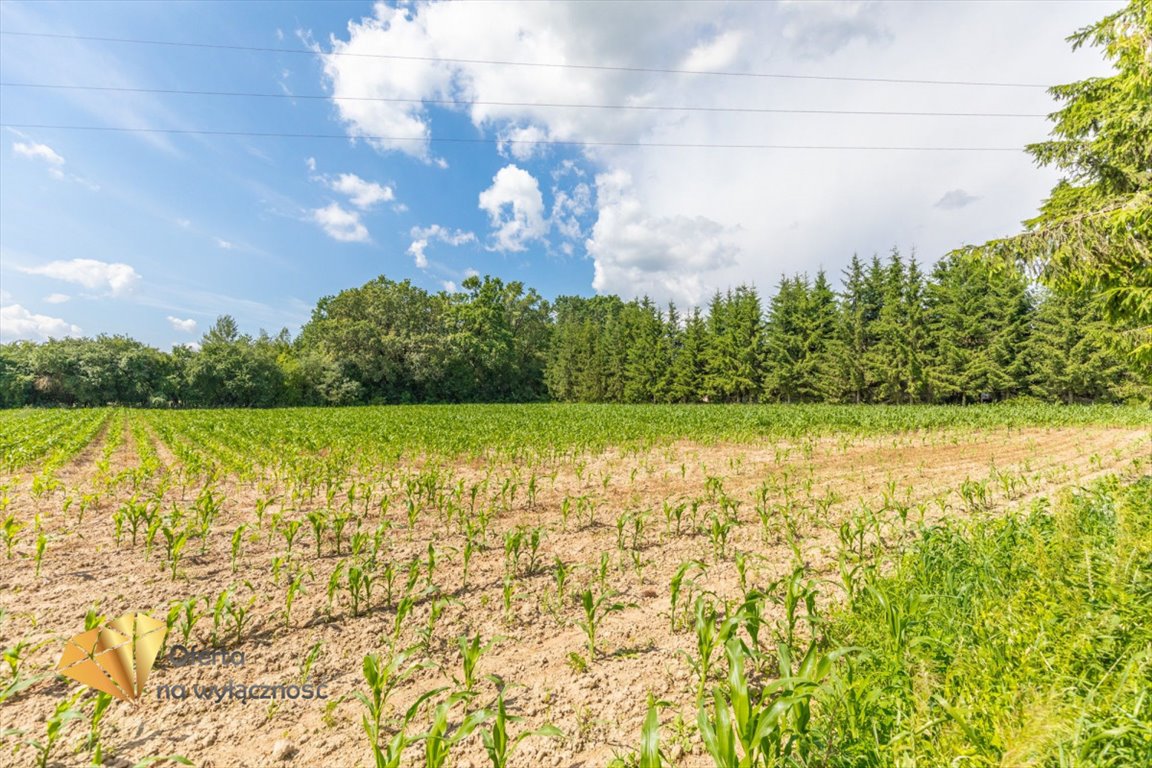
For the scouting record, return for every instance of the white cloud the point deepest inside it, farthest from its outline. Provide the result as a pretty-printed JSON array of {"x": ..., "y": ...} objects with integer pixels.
[
  {"x": 16, "y": 322},
  {"x": 431, "y": 33},
  {"x": 567, "y": 208},
  {"x": 341, "y": 224},
  {"x": 421, "y": 236},
  {"x": 416, "y": 251},
  {"x": 780, "y": 210},
  {"x": 515, "y": 208},
  {"x": 362, "y": 194},
  {"x": 664, "y": 257},
  {"x": 183, "y": 223},
  {"x": 820, "y": 30},
  {"x": 116, "y": 278},
  {"x": 57, "y": 298},
  {"x": 187, "y": 326},
  {"x": 403, "y": 126},
  {"x": 716, "y": 54},
  {"x": 35, "y": 151},
  {"x": 44, "y": 153},
  {"x": 448, "y": 285},
  {"x": 522, "y": 142},
  {"x": 224, "y": 245}
]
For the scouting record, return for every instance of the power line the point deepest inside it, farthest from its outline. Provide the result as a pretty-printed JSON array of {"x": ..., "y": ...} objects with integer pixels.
[
  {"x": 510, "y": 63},
  {"x": 475, "y": 140},
  {"x": 535, "y": 105}
]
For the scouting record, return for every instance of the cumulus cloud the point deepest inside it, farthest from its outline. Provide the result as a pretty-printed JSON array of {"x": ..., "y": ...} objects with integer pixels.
[
  {"x": 57, "y": 298},
  {"x": 772, "y": 206},
  {"x": 421, "y": 236},
  {"x": 438, "y": 37},
  {"x": 341, "y": 224},
  {"x": 955, "y": 198},
  {"x": 353, "y": 71},
  {"x": 116, "y": 278},
  {"x": 186, "y": 326},
  {"x": 16, "y": 322},
  {"x": 665, "y": 257},
  {"x": 361, "y": 193},
  {"x": 515, "y": 208}
]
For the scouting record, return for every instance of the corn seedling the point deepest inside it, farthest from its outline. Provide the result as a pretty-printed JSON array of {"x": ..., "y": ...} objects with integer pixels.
[
  {"x": 595, "y": 610},
  {"x": 497, "y": 743},
  {"x": 93, "y": 744},
  {"x": 41, "y": 548},
  {"x": 10, "y": 530},
  {"x": 439, "y": 739},
  {"x": 471, "y": 650}
]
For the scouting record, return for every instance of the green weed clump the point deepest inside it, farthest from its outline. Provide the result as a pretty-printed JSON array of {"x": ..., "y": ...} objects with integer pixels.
[{"x": 1024, "y": 640}]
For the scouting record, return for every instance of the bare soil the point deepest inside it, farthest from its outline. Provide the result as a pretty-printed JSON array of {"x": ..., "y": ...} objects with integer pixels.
[{"x": 600, "y": 703}]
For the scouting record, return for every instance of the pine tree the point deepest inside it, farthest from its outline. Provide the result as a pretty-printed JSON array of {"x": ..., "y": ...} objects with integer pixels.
[{"x": 1071, "y": 359}]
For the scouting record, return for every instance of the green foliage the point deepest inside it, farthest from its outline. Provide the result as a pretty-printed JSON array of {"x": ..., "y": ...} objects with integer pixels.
[
  {"x": 497, "y": 742},
  {"x": 1094, "y": 230},
  {"x": 1020, "y": 640},
  {"x": 891, "y": 335}
]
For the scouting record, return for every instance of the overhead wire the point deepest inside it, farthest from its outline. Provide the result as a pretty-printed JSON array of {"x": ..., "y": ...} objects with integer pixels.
[
  {"x": 520, "y": 104},
  {"x": 480, "y": 140},
  {"x": 514, "y": 63}
]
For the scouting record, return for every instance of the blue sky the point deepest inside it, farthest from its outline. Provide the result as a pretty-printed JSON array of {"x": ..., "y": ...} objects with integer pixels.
[{"x": 155, "y": 234}]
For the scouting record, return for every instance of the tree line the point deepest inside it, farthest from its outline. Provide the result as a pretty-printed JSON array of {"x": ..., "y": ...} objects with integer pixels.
[{"x": 968, "y": 331}]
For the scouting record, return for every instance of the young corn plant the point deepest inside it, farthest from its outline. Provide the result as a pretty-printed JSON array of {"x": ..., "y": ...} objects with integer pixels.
[
  {"x": 382, "y": 677},
  {"x": 712, "y": 633},
  {"x": 560, "y": 573},
  {"x": 650, "y": 755},
  {"x": 497, "y": 743},
  {"x": 435, "y": 610},
  {"x": 318, "y": 521},
  {"x": 174, "y": 542},
  {"x": 41, "y": 548},
  {"x": 595, "y": 611},
  {"x": 290, "y": 530},
  {"x": 683, "y": 583},
  {"x": 439, "y": 739},
  {"x": 238, "y": 544},
  {"x": 360, "y": 580},
  {"x": 471, "y": 650},
  {"x": 295, "y": 586},
  {"x": 10, "y": 530},
  {"x": 94, "y": 744},
  {"x": 14, "y": 658},
  {"x": 65, "y": 712}
]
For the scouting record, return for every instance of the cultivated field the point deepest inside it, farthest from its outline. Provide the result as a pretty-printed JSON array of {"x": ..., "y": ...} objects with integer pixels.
[{"x": 802, "y": 586}]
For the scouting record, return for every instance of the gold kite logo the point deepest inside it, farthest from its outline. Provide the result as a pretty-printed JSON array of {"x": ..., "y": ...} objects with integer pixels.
[{"x": 117, "y": 657}]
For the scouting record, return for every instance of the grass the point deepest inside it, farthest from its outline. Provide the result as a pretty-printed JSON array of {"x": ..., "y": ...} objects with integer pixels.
[{"x": 1024, "y": 640}]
